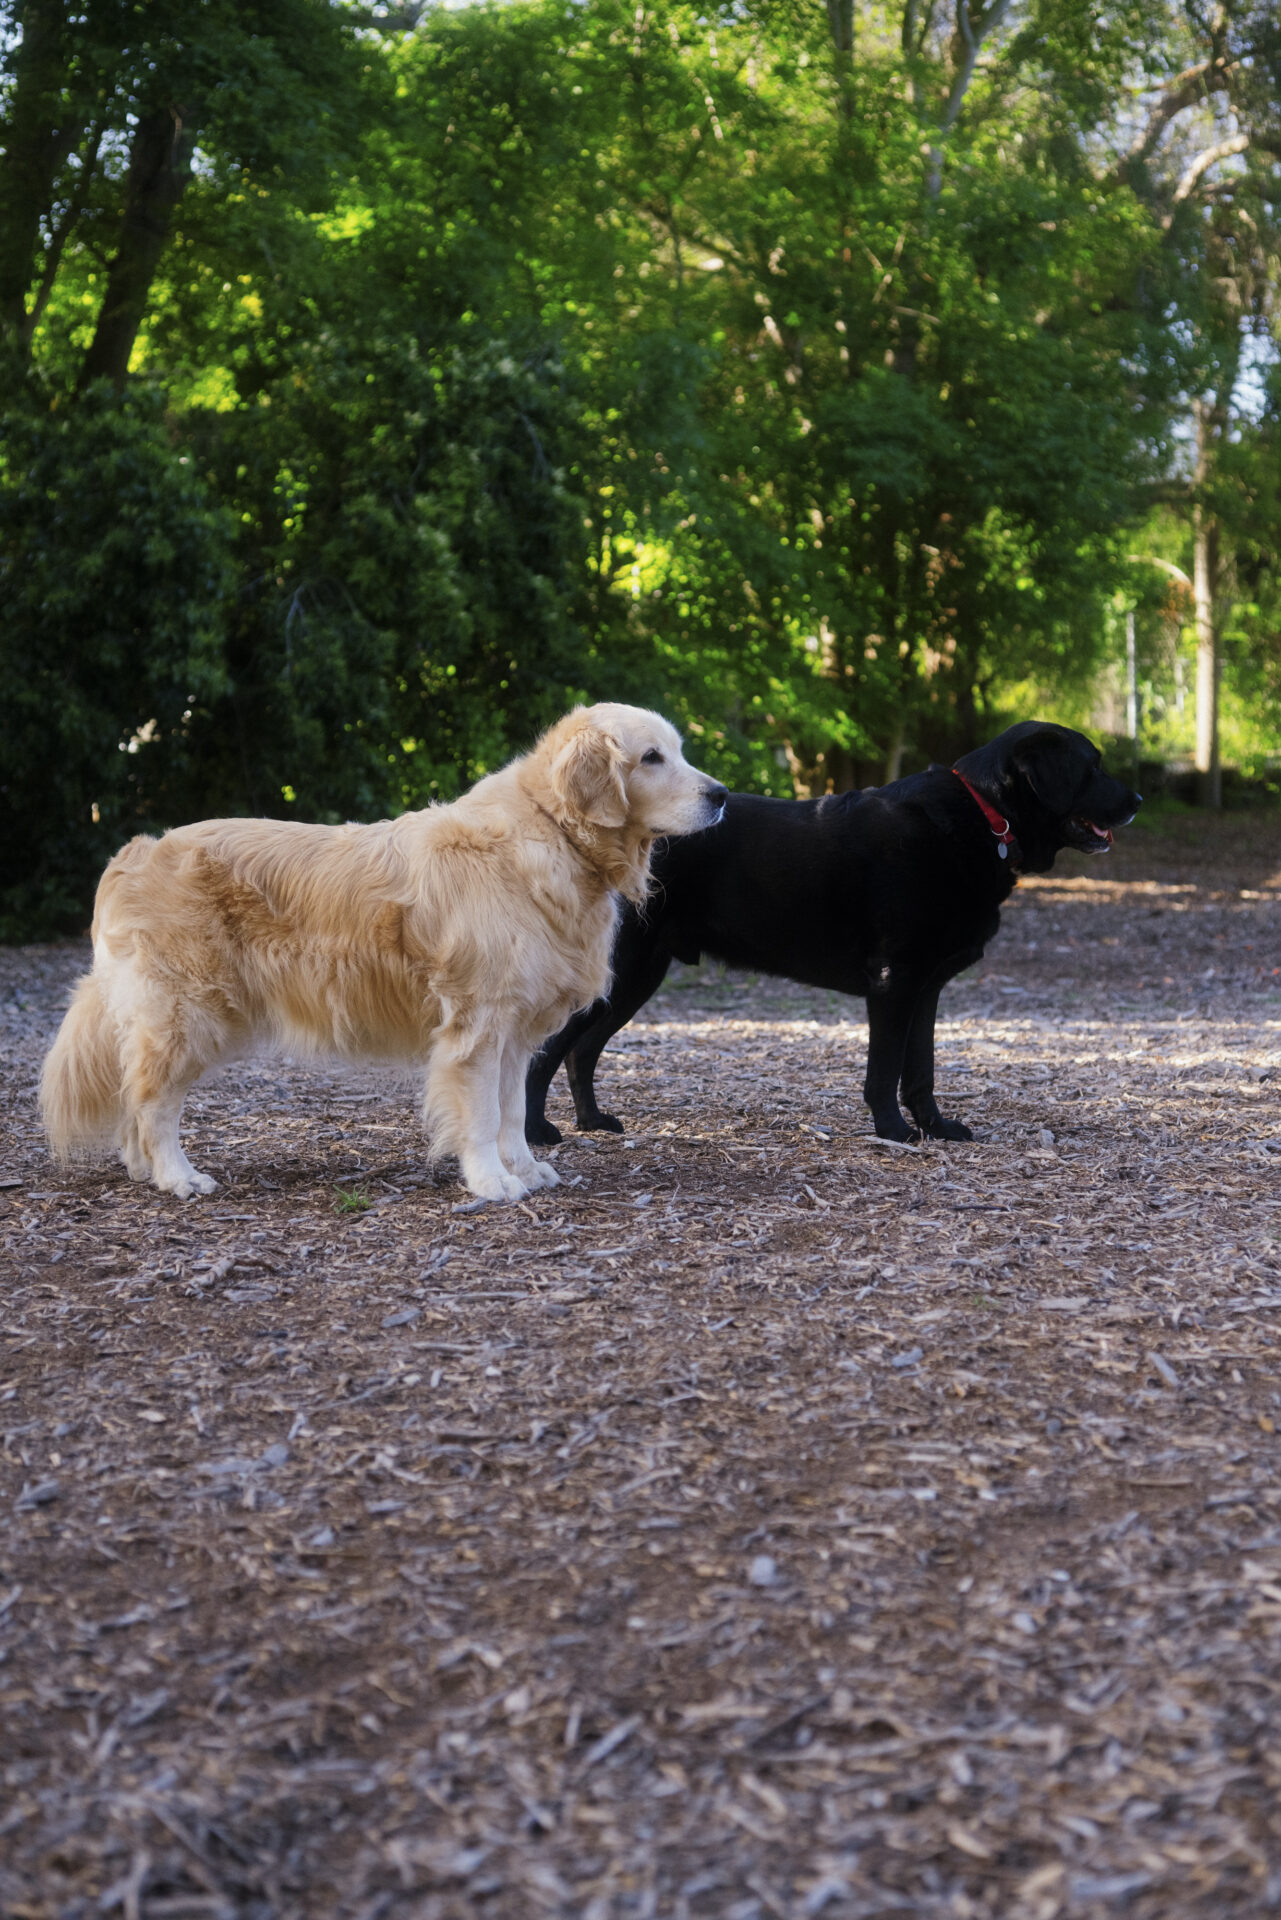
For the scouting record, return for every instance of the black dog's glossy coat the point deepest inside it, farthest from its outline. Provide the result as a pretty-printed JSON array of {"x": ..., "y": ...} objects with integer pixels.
[{"x": 887, "y": 893}]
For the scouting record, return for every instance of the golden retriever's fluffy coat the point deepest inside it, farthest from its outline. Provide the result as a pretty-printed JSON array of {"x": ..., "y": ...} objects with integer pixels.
[{"x": 461, "y": 936}]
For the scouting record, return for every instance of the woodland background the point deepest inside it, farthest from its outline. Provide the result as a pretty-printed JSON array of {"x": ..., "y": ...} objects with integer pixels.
[{"x": 846, "y": 380}]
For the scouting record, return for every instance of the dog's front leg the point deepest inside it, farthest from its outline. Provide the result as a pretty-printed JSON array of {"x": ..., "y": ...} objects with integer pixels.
[
  {"x": 462, "y": 1106},
  {"x": 641, "y": 971},
  {"x": 890, "y": 1002},
  {"x": 918, "y": 1073},
  {"x": 512, "y": 1146},
  {"x": 539, "y": 1131}
]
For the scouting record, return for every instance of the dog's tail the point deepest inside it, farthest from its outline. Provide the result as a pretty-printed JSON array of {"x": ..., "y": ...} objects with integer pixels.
[{"x": 80, "y": 1090}]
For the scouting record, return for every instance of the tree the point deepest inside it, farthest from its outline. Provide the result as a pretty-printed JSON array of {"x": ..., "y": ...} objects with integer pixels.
[
  {"x": 805, "y": 370},
  {"x": 114, "y": 571},
  {"x": 107, "y": 106},
  {"x": 393, "y": 604},
  {"x": 1204, "y": 158},
  {"x": 907, "y": 337}
]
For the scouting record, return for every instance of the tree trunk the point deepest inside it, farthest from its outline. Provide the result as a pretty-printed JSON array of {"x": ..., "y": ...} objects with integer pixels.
[
  {"x": 894, "y": 754},
  {"x": 62, "y": 232},
  {"x": 1205, "y": 576},
  {"x": 840, "y": 19},
  {"x": 159, "y": 168},
  {"x": 1205, "y": 584},
  {"x": 39, "y": 135}
]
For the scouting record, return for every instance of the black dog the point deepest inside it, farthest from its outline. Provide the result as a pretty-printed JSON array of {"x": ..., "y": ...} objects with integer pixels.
[{"x": 889, "y": 893}]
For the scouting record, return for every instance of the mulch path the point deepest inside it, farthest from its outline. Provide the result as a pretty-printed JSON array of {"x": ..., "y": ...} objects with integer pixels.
[{"x": 768, "y": 1522}]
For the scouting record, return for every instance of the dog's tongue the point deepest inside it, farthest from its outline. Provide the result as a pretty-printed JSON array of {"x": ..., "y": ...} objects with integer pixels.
[{"x": 1104, "y": 833}]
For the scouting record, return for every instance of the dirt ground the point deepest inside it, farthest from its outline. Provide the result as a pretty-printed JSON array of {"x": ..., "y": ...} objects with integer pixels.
[{"x": 769, "y": 1522}]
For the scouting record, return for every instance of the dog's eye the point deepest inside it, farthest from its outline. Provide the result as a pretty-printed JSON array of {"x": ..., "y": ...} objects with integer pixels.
[{"x": 652, "y": 759}]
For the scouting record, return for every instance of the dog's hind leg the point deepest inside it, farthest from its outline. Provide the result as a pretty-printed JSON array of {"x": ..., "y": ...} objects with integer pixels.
[
  {"x": 158, "y": 1120},
  {"x": 512, "y": 1145},
  {"x": 158, "y": 1071},
  {"x": 137, "y": 1165},
  {"x": 462, "y": 1106},
  {"x": 918, "y": 1073}
]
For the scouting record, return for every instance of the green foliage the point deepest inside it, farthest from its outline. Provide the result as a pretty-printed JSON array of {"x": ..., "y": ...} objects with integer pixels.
[
  {"x": 777, "y": 365},
  {"x": 910, "y": 434},
  {"x": 114, "y": 576},
  {"x": 412, "y": 545},
  {"x": 1248, "y": 497}
]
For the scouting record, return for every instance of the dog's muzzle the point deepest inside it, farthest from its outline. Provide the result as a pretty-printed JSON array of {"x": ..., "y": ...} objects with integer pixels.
[{"x": 715, "y": 798}]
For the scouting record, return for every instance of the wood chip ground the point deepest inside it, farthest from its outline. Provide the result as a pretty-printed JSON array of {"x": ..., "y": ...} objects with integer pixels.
[{"x": 766, "y": 1523}]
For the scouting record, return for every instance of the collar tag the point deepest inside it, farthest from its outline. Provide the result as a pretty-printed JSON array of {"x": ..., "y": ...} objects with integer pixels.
[{"x": 1001, "y": 828}]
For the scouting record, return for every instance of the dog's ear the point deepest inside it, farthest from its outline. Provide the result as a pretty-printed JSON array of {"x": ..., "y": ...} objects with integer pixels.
[
  {"x": 587, "y": 777},
  {"x": 1053, "y": 770}
]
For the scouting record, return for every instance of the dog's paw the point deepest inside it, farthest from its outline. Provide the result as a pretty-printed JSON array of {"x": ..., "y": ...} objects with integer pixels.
[
  {"x": 182, "y": 1181},
  {"x": 540, "y": 1174},
  {"x": 541, "y": 1133},
  {"x": 601, "y": 1123},
  {"x": 179, "y": 1187},
  {"x": 897, "y": 1129},
  {"x": 499, "y": 1187},
  {"x": 942, "y": 1129}
]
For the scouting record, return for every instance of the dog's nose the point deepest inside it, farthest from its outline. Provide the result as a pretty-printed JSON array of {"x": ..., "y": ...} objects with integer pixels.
[{"x": 718, "y": 795}]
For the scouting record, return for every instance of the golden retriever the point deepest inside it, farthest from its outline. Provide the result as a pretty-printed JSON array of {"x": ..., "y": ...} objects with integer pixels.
[{"x": 460, "y": 936}]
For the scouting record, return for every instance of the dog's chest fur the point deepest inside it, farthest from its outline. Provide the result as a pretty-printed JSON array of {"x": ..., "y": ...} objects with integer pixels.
[{"x": 581, "y": 924}]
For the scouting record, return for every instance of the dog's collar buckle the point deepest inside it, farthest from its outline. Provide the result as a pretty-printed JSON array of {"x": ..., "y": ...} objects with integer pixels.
[{"x": 1000, "y": 826}]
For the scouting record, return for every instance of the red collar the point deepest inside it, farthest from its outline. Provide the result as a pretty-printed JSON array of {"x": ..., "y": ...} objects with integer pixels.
[{"x": 1001, "y": 828}]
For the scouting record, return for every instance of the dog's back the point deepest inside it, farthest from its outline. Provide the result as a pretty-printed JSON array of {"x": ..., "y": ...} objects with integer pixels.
[{"x": 272, "y": 931}]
